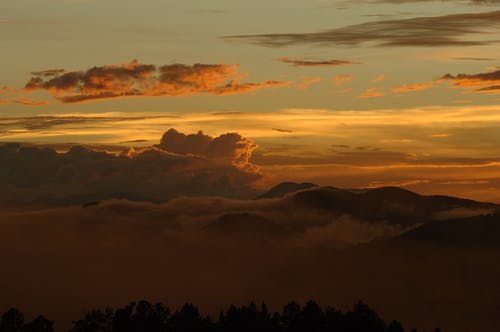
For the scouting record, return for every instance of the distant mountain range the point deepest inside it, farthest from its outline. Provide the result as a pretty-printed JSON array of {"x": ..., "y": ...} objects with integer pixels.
[
  {"x": 284, "y": 188},
  {"x": 293, "y": 209}
]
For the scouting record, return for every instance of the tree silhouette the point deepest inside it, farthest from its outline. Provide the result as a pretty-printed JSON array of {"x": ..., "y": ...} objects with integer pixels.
[
  {"x": 363, "y": 318},
  {"x": 312, "y": 318},
  {"x": 395, "y": 326},
  {"x": 12, "y": 321},
  {"x": 151, "y": 318},
  {"x": 143, "y": 316},
  {"x": 122, "y": 321},
  {"x": 291, "y": 317},
  {"x": 39, "y": 324},
  {"x": 95, "y": 321},
  {"x": 188, "y": 319}
]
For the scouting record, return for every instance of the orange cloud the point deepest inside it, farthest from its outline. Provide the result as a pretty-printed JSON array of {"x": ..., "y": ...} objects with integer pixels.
[
  {"x": 339, "y": 80},
  {"x": 23, "y": 101},
  {"x": 371, "y": 93},
  {"x": 236, "y": 87},
  {"x": 230, "y": 147},
  {"x": 440, "y": 135},
  {"x": 483, "y": 82},
  {"x": 307, "y": 81},
  {"x": 136, "y": 79},
  {"x": 490, "y": 89},
  {"x": 378, "y": 79},
  {"x": 413, "y": 87}
]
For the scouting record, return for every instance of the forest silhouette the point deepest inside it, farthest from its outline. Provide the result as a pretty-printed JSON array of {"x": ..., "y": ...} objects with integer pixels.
[{"x": 144, "y": 316}]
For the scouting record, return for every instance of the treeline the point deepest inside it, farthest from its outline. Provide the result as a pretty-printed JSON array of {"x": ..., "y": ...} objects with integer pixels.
[{"x": 146, "y": 317}]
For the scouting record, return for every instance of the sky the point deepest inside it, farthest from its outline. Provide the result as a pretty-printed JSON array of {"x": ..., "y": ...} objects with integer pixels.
[
  {"x": 352, "y": 94},
  {"x": 144, "y": 147}
]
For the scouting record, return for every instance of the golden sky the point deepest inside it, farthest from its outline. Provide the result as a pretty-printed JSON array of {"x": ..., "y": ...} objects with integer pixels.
[{"x": 349, "y": 94}]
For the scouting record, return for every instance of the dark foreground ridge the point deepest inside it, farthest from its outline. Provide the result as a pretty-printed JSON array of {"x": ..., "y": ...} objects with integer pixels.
[{"x": 146, "y": 317}]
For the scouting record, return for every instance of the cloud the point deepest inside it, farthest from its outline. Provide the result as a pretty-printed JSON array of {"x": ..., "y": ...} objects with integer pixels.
[
  {"x": 475, "y": 2},
  {"x": 440, "y": 135},
  {"x": 473, "y": 59},
  {"x": 134, "y": 79},
  {"x": 378, "y": 79},
  {"x": 116, "y": 251},
  {"x": 180, "y": 165},
  {"x": 397, "y": 183},
  {"x": 447, "y": 30},
  {"x": 413, "y": 87},
  {"x": 316, "y": 63},
  {"x": 491, "y": 89},
  {"x": 340, "y": 80},
  {"x": 282, "y": 130},
  {"x": 48, "y": 122},
  {"x": 398, "y": 140},
  {"x": 24, "y": 101},
  {"x": 371, "y": 93},
  {"x": 237, "y": 88},
  {"x": 482, "y": 82},
  {"x": 230, "y": 147},
  {"x": 48, "y": 72},
  {"x": 12, "y": 96},
  {"x": 307, "y": 81}
]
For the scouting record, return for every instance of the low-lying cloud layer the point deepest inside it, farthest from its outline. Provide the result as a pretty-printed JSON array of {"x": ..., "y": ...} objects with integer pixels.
[
  {"x": 216, "y": 251},
  {"x": 135, "y": 79},
  {"x": 447, "y": 30}
]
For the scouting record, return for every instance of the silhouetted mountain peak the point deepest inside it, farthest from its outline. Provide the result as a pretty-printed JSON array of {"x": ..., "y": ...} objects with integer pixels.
[
  {"x": 284, "y": 188},
  {"x": 394, "y": 193},
  {"x": 387, "y": 204},
  {"x": 89, "y": 204}
]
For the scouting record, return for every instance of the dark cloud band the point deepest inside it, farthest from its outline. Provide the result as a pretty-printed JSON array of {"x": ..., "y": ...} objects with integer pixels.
[{"x": 448, "y": 30}]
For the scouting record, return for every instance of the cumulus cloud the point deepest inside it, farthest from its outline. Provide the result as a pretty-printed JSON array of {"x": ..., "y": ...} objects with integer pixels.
[
  {"x": 482, "y": 82},
  {"x": 229, "y": 147},
  {"x": 179, "y": 165},
  {"x": 301, "y": 62},
  {"x": 135, "y": 79},
  {"x": 447, "y": 30}
]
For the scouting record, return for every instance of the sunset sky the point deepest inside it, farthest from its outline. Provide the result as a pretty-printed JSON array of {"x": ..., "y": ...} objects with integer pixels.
[{"x": 351, "y": 94}]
